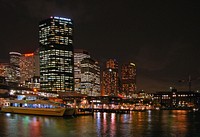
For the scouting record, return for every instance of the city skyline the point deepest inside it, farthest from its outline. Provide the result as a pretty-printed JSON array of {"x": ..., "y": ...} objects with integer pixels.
[{"x": 161, "y": 38}]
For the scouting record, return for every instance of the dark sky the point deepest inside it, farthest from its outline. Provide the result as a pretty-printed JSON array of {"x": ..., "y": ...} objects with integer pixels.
[{"x": 161, "y": 37}]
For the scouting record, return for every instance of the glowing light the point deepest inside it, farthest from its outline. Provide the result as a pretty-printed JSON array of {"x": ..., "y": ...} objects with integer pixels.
[
  {"x": 16, "y": 53},
  {"x": 8, "y": 114},
  {"x": 61, "y": 18},
  {"x": 29, "y": 54},
  {"x": 132, "y": 64}
]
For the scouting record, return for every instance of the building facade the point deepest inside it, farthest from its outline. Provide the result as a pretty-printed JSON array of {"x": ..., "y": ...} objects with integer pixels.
[
  {"x": 177, "y": 99},
  {"x": 5, "y": 71},
  {"x": 128, "y": 79},
  {"x": 14, "y": 75},
  {"x": 79, "y": 55},
  {"x": 27, "y": 68},
  {"x": 110, "y": 78},
  {"x": 37, "y": 63},
  {"x": 90, "y": 77},
  {"x": 56, "y": 54}
]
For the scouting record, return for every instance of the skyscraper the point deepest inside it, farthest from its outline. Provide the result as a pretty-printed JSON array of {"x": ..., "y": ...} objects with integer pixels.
[
  {"x": 90, "y": 77},
  {"x": 14, "y": 69},
  {"x": 110, "y": 78},
  {"x": 27, "y": 67},
  {"x": 79, "y": 55},
  {"x": 128, "y": 78},
  {"x": 56, "y": 54}
]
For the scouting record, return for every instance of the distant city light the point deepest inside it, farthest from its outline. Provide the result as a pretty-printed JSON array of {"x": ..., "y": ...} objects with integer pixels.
[
  {"x": 67, "y": 19},
  {"x": 29, "y": 54},
  {"x": 17, "y": 53},
  {"x": 132, "y": 64}
]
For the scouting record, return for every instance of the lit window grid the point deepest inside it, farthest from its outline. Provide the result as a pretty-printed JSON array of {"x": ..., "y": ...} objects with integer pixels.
[
  {"x": 128, "y": 77},
  {"x": 90, "y": 78},
  {"x": 27, "y": 68},
  {"x": 56, "y": 62},
  {"x": 110, "y": 82}
]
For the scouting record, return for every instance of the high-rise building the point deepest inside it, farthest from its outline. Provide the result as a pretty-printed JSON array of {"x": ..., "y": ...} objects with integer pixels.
[
  {"x": 110, "y": 78},
  {"x": 27, "y": 67},
  {"x": 90, "y": 77},
  {"x": 128, "y": 79},
  {"x": 79, "y": 55},
  {"x": 14, "y": 69},
  {"x": 56, "y": 54},
  {"x": 29, "y": 70}
]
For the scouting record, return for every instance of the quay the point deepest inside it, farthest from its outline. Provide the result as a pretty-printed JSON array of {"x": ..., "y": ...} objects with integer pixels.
[
  {"x": 121, "y": 111},
  {"x": 80, "y": 112}
]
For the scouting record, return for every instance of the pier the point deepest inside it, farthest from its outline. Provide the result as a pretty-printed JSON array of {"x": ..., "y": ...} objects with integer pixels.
[{"x": 121, "y": 111}]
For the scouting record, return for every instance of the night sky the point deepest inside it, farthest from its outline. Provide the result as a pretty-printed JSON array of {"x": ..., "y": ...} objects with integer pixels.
[{"x": 161, "y": 37}]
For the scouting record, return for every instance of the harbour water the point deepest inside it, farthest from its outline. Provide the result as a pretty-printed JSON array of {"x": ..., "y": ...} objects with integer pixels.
[{"x": 163, "y": 123}]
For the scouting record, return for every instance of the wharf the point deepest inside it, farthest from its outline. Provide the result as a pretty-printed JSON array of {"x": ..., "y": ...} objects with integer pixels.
[
  {"x": 121, "y": 111},
  {"x": 80, "y": 112}
]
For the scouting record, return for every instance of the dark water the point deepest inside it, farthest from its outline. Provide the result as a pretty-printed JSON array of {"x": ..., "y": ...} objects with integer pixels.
[{"x": 137, "y": 124}]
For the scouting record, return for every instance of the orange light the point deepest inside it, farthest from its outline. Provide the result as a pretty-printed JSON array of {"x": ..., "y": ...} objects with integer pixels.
[
  {"x": 29, "y": 54},
  {"x": 35, "y": 90}
]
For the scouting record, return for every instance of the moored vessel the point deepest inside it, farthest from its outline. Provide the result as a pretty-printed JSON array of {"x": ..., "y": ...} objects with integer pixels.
[{"x": 36, "y": 107}]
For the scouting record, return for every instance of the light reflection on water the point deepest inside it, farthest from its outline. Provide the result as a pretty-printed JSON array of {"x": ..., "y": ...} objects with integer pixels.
[{"x": 177, "y": 123}]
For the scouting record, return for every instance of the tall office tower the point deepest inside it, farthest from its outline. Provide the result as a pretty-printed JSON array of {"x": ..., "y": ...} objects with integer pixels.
[
  {"x": 90, "y": 77},
  {"x": 79, "y": 55},
  {"x": 110, "y": 78},
  {"x": 128, "y": 79},
  {"x": 27, "y": 68},
  {"x": 56, "y": 54},
  {"x": 14, "y": 70}
]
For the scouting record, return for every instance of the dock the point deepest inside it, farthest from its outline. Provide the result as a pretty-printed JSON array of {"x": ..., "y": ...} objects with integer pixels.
[
  {"x": 120, "y": 111},
  {"x": 82, "y": 112}
]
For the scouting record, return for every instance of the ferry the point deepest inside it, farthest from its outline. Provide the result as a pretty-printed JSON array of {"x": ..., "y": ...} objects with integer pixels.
[
  {"x": 1, "y": 102},
  {"x": 36, "y": 107}
]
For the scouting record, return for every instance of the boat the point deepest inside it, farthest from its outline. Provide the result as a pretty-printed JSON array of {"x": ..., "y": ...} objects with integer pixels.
[
  {"x": 69, "y": 112},
  {"x": 36, "y": 107},
  {"x": 1, "y": 102}
]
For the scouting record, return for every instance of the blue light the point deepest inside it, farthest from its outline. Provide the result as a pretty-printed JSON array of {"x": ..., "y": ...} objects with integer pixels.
[{"x": 61, "y": 18}]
